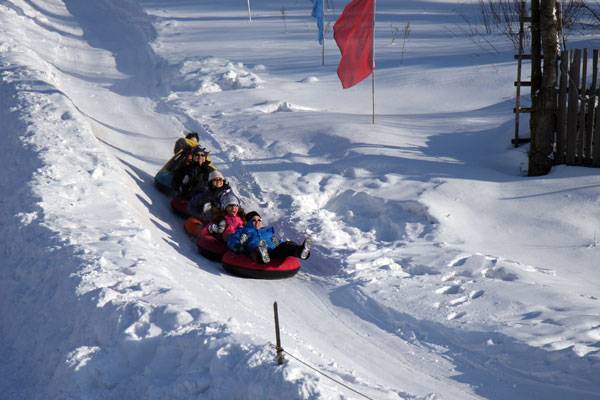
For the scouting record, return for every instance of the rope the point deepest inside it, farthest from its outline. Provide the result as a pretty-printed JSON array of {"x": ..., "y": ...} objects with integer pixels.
[{"x": 324, "y": 374}]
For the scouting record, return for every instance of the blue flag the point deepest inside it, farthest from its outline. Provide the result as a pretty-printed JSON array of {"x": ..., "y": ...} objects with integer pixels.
[{"x": 317, "y": 12}]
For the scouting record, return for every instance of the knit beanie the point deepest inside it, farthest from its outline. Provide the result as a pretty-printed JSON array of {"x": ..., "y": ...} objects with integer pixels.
[
  {"x": 215, "y": 174},
  {"x": 251, "y": 215}
]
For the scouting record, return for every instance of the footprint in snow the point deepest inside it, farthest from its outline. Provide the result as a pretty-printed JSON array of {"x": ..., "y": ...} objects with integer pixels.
[
  {"x": 450, "y": 289},
  {"x": 499, "y": 273},
  {"x": 459, "y": 261},
  {"x": 449, "y": 276},
  {"x": 458, "y": 301},
  {"x": 456, "y": 315}
]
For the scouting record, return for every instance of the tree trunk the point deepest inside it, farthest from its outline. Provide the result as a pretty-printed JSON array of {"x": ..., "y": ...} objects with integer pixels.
[{"x": 541, "y": 151}]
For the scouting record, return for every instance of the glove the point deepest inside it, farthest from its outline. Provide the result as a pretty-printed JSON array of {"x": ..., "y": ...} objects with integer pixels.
[
  {"x": 213, "y": 228},
  {"x": 221, "y": 227},
  {"x": 207, "y": 207},
  {"x": 243, "y": 238}
]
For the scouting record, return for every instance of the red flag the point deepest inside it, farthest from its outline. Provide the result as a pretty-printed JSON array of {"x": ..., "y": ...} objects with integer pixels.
[{"x": 353, "y": 33}]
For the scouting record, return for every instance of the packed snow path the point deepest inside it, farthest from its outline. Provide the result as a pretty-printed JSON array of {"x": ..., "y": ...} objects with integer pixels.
[{"x": 429, "y": 278}]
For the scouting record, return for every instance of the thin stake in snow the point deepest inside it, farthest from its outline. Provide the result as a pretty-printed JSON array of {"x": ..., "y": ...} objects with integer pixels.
[
  {"x": 278, "y": 347},
  {"x": 249, "y": 12}
]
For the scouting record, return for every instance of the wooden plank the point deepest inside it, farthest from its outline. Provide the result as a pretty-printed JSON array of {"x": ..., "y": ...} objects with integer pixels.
[
  {"x": 596, "y": 147},
  {"x": 596, "y": 116},
  {"x": 520, "y": 140},
  {"x": 589, "y": 118},
  {"x": 523, "y": 83},
  {"x": 527, "y": 56},
  {"x": 561, "y": 118},
  {"x": 573, "y": 100},
  {"x": 523, "y": 56},
  {"x": 581, "y": 138},
  {"x": 522, "y": 110}
]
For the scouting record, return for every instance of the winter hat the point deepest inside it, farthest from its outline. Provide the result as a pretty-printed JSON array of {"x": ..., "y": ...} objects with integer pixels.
[
  {"x": 251, "y": 215},
  {"x": 215, "y": 174},
  {"x": 192, "y": 135},
  {"x": 228, "y": 199},
  {"x": 199, "y": 150}
]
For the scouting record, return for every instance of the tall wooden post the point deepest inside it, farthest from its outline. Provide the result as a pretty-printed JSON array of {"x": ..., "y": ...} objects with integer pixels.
[{"x": 278, "y": 347}]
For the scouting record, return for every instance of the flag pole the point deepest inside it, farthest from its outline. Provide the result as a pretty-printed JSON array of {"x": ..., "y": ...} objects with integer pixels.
[
  {"x": 249, "y": 12},
  {"x": 373, "y": 61},
  {"x": 323, "y": 44}
]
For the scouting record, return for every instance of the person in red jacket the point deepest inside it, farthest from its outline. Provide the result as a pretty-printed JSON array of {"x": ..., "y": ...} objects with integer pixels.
[{"x": 232, "y": 219}]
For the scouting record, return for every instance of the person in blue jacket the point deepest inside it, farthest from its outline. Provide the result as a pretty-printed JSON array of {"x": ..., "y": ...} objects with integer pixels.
[{"x": 261, "y": 244}]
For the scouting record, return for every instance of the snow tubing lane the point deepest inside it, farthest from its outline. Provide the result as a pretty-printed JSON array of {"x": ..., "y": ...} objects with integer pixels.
[
  {"x": 242, "y": 265},
  {"x": 193, "y": 226},
  {"x": 210, "y": 246},
  {"x": 179, "y": 205}
]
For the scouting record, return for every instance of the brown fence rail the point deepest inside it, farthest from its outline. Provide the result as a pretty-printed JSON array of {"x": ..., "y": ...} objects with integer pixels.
[{"x": 577, "y": 140}]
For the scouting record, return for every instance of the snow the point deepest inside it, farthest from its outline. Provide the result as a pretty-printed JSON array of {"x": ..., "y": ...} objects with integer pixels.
[{"x": 439, "y": 271}]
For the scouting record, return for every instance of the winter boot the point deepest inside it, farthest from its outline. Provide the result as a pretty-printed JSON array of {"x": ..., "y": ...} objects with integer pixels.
[
  {"x": 263, "y": 251},
  {"x": 305, "y": 252}
]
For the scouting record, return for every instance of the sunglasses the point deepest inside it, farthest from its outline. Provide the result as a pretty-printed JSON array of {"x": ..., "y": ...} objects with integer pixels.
[
  {"x": 217, "y": 179},
  {"x": 256, "y": 219}
]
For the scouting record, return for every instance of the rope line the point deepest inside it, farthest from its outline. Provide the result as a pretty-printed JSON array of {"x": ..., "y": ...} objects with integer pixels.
[{"x": 324, "y": 374}]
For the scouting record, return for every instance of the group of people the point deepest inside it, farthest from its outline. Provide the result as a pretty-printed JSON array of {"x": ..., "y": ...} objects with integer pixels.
[{"x": 211, "y": 199}]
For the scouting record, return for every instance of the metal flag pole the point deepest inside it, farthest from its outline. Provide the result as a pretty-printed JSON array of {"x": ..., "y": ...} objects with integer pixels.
[
  {"x": 373, "y": 61},
  {"x": 323, "y": 38}
]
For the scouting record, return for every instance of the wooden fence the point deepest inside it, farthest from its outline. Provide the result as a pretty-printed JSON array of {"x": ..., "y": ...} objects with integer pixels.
[{"x": 577, "y": 140}]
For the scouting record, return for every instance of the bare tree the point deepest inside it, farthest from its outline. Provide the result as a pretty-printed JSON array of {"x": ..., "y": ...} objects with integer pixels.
[{"x": 541, "y": 151}]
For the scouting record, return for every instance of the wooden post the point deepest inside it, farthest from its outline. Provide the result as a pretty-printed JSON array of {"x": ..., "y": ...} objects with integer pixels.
[
  {"x": 561, "y": 129},
  {"x": 573, "y": 111},
  {"x": 278, "y": 348},
  {"x": 595, "y": 114},
  {"x": 590, "y": 117},
  {"x": 581, "y": 137}
]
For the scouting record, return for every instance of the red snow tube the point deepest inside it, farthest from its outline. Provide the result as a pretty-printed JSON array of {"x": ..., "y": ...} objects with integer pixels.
[
  {"x": 179, "y": 205},
  {"x": 193, "y": 226},
  {"x": 242, "y": 265},
  {"x": 210, "y": 246}
]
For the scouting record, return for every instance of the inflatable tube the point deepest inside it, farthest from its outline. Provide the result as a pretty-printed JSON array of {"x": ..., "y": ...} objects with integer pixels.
[
  {"x": 242, "y": 265},
  {"x": 163, "y": 180},
  {"x": 193, "y": 226},
  {"x": 179, "y": 205},
  {"x": 210, "y": 246}
]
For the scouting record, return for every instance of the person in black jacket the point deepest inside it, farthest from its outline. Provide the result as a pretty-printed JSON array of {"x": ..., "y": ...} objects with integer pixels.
[
  {"x": 192, "y": 176},
  {"x": 205, "y": 205}
]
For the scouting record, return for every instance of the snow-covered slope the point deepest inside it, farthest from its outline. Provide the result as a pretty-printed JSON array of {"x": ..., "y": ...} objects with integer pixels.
[{"x": 439, "y": 270}]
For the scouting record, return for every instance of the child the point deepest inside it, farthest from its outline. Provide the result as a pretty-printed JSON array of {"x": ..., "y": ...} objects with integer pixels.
[
  {"x": 258, "y": 242},
  {"x": 232, "y": 220}
]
